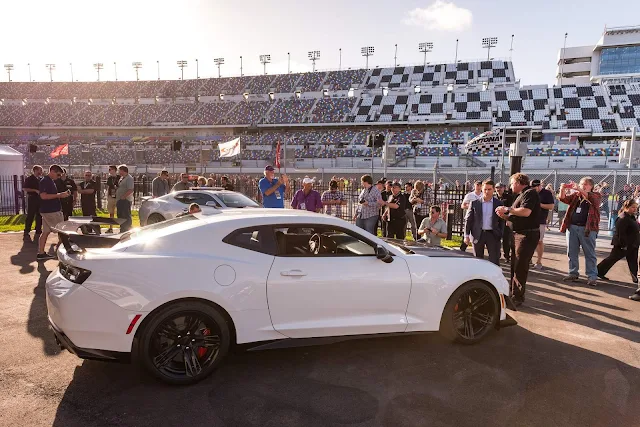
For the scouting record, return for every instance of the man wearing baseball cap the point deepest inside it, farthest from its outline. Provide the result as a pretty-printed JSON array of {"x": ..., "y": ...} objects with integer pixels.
[
  {"x": 546, "y": 203},
  {"x": 272, "y": 189},
  {"x": 307, "y": 198}
]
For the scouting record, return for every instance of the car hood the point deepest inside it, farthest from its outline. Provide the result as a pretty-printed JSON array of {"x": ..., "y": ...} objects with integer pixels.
[{"x": 427, "y": 249}]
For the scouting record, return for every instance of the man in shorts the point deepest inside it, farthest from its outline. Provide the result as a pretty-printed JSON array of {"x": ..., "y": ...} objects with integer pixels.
[
  {"x": 112, "y": 186},
  {"x": 50, "y": 208}
]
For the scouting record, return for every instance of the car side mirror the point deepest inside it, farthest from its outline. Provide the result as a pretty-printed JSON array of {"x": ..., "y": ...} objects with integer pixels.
[
  {"x": 383, "y": 254},
  {"x": 211, "y": 204}
]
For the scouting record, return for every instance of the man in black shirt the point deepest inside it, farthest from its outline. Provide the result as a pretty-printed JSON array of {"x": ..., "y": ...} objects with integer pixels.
[
  {"x": 112, "y": 186},
  {"x": 524, "y": 215},
  {"x": 506, "y": 197},
  {"x": 63, "y": 184},
  {"x": 87, "y": 190},
  {"x": 31, "y": 187},
  {"x": 397, "y": 221},
  {"x": 385, "y": 191},
  {"x": 226, "y": 184}
]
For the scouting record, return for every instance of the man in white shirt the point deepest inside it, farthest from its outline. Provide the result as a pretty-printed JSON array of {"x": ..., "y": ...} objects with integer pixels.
[{"x": 466, "y": 204}]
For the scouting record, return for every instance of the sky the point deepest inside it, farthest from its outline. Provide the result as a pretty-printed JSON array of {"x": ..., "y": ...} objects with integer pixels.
[{"x": 82, "y": 33}]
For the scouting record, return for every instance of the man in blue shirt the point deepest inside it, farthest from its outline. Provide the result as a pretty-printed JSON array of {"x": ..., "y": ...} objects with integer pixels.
[
  {"x": 272, "y": 189},
  {"x": 50, "y": 208}
]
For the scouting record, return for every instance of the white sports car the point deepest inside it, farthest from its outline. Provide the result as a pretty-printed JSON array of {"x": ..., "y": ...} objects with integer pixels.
[
  {"x": 175, "y": 296},
  {"x": 171, "y": 205}
]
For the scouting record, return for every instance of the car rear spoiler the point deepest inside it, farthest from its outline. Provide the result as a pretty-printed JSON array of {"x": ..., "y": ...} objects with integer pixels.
[{"x": 79, "y": 233}]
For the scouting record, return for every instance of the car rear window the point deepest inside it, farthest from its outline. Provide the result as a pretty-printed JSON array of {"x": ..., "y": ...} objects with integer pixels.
[{"x": 149, "y": 229}]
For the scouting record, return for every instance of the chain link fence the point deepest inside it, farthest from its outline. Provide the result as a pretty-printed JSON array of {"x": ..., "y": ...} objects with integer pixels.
[{"x": 448, "y": 188}]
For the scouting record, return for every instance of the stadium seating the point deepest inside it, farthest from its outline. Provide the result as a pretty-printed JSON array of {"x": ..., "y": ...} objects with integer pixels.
[
  {"x": 332, "y": 110},
  {"x": 290, "y": 110}
]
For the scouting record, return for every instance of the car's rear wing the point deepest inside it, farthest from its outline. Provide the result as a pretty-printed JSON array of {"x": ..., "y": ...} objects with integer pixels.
[{"x": 79, "y": 233}]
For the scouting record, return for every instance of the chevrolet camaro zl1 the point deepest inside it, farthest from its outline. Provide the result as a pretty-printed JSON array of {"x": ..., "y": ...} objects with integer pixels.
[{"x": 175, "y": 296}]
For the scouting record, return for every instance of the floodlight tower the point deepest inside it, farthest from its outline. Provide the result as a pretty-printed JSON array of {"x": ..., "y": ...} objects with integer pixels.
[
  {"x": 136, "y": 65},
  {"x": 488, "y": 43},
  {"x": 314, "y": 55},
  {"x": 51, "y": 67},
  {"x": 367, "y": 51},
  {"x": 219, "y": 62},
  {"x": 98, "y": 66},
  {"x": 8, "y": 67},
  {"x": 425, "y": 48},
  {"x": 181, "y": 65},
  {"x": 265, "y": 59}
]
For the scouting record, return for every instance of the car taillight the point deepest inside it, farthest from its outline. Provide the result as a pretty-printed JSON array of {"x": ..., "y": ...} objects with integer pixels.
[{"x": 74, "y": 274}]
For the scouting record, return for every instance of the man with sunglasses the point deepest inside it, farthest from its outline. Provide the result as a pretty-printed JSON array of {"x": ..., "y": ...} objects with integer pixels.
[
  {"x": 50, "y": 208},
  {"x": 87, "y": 190},
  {"x": 433, "y": 228}
]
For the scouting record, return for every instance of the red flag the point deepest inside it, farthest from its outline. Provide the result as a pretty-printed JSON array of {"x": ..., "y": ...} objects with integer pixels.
[
  {"x": 60, "y": 150},
  {"x": 278, "y": 155}
]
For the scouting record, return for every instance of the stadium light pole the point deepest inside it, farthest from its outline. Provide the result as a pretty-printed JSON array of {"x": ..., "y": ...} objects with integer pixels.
[
  {"x": 511, "y": 48},
  {"x": 71, "y": 68},
  {"x": 367, "y": 51},
  {"x": 197, "y": 69},
  {"x": 115, "y": 70},
  {"x": 314, "y": 55},
  {"x": 181, "y": 65},
  {"x": 395, "y": 57},
  {"x": 288, "y": 62},
  {"x": 8, "y": 67},
  {"x": 98, "y": 66},
  {"x": 488, "y": 43},
  {"x": 265, "y": 59},
  {"x": 220, "y": 61},
  {"x": 136, "y": 66},
  {"x": 240, "y": 65},
  {"x": 340, "y": 59},
  {"x": 29, "y": 66},
  {"x": 562, "y": 57},
  {"x": 51, "y": 67},
  {"x": 455, "y": 60},
  {"x": 425, "y": 48}
]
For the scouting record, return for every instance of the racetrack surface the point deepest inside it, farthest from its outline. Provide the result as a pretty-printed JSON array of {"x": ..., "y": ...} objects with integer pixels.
[{"x": 573, "y": 360}]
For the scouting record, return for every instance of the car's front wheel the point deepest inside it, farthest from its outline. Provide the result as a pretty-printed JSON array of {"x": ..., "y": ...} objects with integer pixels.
[
  {"x": 470, "y": 314},
  {"x": 184, "y": 342},
  {"x": 154, "y": 219}
]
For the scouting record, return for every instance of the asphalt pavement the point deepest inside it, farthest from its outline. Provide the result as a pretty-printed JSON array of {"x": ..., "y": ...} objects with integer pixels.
[{"x": 573, "y": 360}]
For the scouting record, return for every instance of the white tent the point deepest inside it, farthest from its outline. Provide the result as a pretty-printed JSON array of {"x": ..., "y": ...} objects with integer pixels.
[{"x": 11, "y": 162}]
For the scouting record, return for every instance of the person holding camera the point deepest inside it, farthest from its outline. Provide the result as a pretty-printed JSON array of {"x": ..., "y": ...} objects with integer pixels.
[
  {"x": 369, "y": 203},
  {"x": 418, "y": 199},
  {"x": 581, "y": 225},
  {"x": 395, "y": 214}
]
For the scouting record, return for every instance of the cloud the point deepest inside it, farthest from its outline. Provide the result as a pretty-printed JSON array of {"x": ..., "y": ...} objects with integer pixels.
[{"x": 441, "y": 15}]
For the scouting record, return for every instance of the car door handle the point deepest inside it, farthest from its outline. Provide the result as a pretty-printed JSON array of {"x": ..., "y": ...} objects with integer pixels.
[{"x": 294, "y": 273}]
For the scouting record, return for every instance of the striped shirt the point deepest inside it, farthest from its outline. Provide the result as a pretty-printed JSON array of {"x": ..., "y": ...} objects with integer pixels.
[
  {"x": 370, "y": 195},
  {"x": 333, "y": 195}
]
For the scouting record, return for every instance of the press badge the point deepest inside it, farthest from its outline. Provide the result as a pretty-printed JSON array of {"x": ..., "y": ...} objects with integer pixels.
[
  {"x": 578, "y": 209},
  {"x": 303, "y": 206},
  {"x": 278, "y": 196}
]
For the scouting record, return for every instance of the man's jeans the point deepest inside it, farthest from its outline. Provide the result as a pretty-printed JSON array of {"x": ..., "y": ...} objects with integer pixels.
[
  {"x": 576, "y": 239},
  {"x": 370, "y": 224},
  {"x": 123, "y": 208}
]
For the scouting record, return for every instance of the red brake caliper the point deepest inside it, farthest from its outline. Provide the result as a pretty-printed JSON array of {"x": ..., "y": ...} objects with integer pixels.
[{"x": 202, "y": 350}]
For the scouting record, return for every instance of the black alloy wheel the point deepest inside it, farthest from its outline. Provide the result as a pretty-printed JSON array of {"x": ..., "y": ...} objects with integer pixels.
[
  {"x": 471, "y": 313},
  {"x": 184, "y": 343}
]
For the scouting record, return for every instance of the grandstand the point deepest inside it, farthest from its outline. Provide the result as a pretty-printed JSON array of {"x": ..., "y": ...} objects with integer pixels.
[{"x": 429, "y": 113}]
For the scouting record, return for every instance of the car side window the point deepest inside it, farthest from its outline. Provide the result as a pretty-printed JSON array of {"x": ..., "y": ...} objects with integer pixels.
[
  {"x": 320, "y": 241},
  {"x": 184, "y": 198},
  {"x": 257, "y": 239}
]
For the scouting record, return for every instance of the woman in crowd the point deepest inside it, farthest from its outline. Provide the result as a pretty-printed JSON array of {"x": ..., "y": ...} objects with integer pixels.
[
  {"x": 625, "y": 242},
  {"x": 418, "y": 199},
  {"x": 202, "y": 181}
]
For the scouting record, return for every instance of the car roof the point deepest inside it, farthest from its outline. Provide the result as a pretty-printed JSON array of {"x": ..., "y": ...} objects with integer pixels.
[
  {"x": 274, "y": 216},
  {"x": 203, "y": 190}
]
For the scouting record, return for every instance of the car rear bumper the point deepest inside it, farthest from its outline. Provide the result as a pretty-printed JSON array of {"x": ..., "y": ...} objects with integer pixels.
[{"x": 65, "y": 343}]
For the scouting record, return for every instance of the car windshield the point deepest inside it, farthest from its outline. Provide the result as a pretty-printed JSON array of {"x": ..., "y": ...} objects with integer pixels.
[
  {"x": 144, "y": 231},
  {"x": 236, "y": 200},
  {"x": 401, "y": 247}
]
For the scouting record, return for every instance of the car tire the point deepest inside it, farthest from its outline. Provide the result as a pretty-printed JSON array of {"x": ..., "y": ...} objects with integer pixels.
[
  {"x": 155, "y": 218},
  {"x": 471, "y": 313},
  {"x": 181, "y": 361}
]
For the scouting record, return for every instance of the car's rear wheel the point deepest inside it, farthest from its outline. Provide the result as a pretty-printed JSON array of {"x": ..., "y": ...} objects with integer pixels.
[
  {"x": 470, "y": 314},
  {"x": 184, "y": 342},
  {"x": 155, "y": 218}
]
